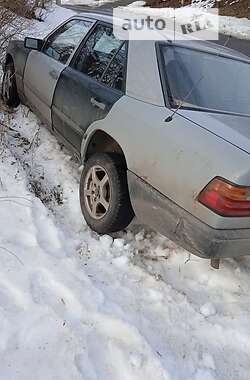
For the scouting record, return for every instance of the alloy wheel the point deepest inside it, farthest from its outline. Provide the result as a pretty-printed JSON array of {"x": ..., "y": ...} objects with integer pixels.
[{"x": 97, "y": 192}]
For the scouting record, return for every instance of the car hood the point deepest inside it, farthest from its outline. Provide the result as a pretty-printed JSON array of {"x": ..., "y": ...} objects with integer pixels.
[{"x": 232, "y": 128}]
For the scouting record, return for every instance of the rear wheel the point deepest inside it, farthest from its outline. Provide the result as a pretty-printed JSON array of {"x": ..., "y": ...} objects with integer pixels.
[
  {"x": 9, "y": 87},
  {"x": 104, "y": 194}
]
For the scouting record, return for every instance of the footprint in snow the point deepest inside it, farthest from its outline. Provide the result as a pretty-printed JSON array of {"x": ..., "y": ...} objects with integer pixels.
[
  {"x": 48, "y": 236},
  {"x": 203, "y": 374},
  {"x": 208, "y": 309},
  {"x": 11, "y": 298},
  {"x": 116, "y": 350},
  {"x": 46, "y": 290}
]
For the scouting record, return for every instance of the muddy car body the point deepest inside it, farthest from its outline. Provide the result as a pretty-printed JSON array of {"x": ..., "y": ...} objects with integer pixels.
[{"x": 180, "y": 163}]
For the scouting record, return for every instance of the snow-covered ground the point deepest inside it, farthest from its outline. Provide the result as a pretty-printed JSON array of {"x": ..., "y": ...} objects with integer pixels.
[
  {"x": 231, "y": 26},
  {"x": 94, "y": 3},
  {"x": 236, "y": 27},
  {"x": 53, "y": 16},
  {"x": 74, "y": 305}
]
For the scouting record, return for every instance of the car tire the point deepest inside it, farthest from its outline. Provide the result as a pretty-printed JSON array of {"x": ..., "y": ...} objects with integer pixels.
[
  {"x": 104, "y": 194},
  {"x": 9, "y": 87}
]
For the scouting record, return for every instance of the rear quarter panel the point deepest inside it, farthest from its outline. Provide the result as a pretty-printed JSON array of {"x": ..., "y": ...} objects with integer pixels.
[{"x": 178, "y": 158}]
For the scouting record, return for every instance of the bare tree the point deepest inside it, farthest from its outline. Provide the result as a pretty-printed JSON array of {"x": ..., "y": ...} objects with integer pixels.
[
  {"x": 10, "y": 26},
  {"x": 13, "y": 14},
  {"x": 25, "y": 8}
]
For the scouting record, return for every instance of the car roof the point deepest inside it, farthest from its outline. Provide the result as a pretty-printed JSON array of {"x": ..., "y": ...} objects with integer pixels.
[{"x": 204, "y": 46}]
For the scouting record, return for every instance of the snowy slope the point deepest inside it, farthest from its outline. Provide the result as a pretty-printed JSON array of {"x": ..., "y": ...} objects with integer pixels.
[
  {"x": 77, "y": 306},
  {"x": 74, "y": 305},
  {"x": 231, "y": 26},
  {"x": 94, "y": 3}
]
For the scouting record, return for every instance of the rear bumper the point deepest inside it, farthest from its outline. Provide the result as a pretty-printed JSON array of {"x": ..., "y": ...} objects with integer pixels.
[{"x": 163, "y": 215}]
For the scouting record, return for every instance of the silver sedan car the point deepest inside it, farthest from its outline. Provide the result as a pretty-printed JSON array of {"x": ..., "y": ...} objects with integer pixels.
[{"x": 162, "y": 128}]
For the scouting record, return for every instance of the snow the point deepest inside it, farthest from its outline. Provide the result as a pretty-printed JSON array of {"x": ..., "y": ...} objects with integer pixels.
[
  {"x": 232, "y": 26},
  {"x": 76, "y": 305},
  {"x": 93, "y": 3},
  {"x": 52, "y": 18},
  {"x": 236, "y": 27},
  {"x": 207, "y": 310},
  {"x": 208, "y": 361}
]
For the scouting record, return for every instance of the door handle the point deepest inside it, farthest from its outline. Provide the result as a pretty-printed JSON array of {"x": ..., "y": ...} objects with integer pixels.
[
  {"x": 97, "y": 104},
  {"x": 54, "y": 74}
]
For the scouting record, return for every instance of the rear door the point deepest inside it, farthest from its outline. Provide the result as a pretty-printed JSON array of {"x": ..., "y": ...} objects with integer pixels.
[
  {"x": 44, "y": 68},
  {"x": 90, "y": 86}
]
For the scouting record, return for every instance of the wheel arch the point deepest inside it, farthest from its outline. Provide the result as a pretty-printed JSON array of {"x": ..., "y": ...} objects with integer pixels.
[{"x": 99, "y": 141}]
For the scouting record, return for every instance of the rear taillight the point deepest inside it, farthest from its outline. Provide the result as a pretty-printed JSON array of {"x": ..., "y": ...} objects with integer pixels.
[{"x": 226, "y": 199}]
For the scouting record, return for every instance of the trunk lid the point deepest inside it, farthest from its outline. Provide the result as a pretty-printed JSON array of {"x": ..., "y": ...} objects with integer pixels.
[{"x": 233, "y": 128}]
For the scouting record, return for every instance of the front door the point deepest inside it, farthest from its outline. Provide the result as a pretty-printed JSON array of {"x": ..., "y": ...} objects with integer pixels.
[
  {"x": 91, "y": 85},
  {"x": 43, "y": 68}
]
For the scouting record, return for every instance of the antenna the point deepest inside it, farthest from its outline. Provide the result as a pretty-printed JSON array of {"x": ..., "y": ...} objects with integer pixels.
[
  {"x": 170, "y": 118},
  {"x": 228, "y": 39}
]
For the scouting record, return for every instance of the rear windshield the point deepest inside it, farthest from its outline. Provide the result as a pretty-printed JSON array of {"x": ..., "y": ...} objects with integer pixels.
[{"x": 197, "y": 79}]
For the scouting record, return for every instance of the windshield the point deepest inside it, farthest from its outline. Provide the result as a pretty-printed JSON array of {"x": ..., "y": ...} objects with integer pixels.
[{"x": 203, "y": 80}]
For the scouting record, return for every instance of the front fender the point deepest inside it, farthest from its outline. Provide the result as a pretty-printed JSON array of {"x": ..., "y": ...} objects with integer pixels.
[{"x": 18, "y": 54}]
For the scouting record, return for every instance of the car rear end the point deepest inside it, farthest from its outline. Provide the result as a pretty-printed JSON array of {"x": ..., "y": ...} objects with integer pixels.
[{"x": 207, "y": 86}]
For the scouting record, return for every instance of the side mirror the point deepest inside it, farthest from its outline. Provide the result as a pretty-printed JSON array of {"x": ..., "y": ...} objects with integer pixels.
[{"x": 33, "y": 43}]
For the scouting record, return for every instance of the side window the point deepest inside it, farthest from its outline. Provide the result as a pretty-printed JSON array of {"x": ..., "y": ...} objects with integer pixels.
[
  {"x": 63, "y": 42},
  {"x": 115, "y": 73},
  {"x": 97, "y": 52}
]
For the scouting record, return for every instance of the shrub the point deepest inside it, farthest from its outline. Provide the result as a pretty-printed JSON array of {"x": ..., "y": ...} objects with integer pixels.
[
  {"x": 25, "y": 8},
  {"x": 12, "y": 18}
]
